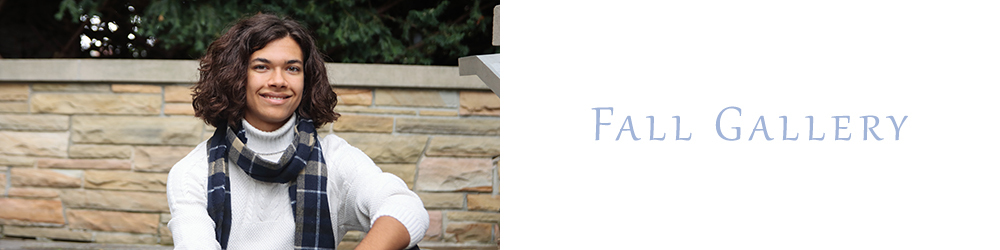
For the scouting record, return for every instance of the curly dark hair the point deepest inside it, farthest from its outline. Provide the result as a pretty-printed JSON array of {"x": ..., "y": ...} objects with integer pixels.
[{"x": 220, "y": 94}]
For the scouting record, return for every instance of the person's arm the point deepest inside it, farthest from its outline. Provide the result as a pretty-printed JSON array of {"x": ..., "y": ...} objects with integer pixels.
[
  {"x": 376, "y": 202},
  {"x": 187, "y": 197},
  {"x": 386, "y": 233}
]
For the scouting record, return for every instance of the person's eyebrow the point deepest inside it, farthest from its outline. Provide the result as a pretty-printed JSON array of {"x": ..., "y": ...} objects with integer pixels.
[
  {"x": 261, "y": 60},
  {"x": 264, "y": 60}
]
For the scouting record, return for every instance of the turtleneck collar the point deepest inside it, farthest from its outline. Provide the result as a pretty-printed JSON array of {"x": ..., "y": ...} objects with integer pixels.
[{"x": 270, "y": 142}]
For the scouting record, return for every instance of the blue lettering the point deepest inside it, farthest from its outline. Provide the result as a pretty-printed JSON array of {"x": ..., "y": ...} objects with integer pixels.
[
  {"x": 677, "y": 136},
  {"x": 763, "y": 127},
  {"x": 870, "y": 129},
  {"x": 628, "y": 120},
  {"x": 718, "y": 121},
  {"x": 811, "y": 130},
  {"x": 836, "y": 132},
  {"x": 784, "y": 130},
  {"x": 897, "y": 126},
  {"x": 651, "y": 134},
  {"x": 597, "y": 137}
]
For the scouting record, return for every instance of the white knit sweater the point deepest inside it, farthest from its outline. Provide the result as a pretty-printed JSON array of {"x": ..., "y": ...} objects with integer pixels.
[{"x": 262, "y": 217}]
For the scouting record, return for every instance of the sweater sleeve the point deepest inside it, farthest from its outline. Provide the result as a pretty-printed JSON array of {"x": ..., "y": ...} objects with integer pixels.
[
  {"x": 367, "y": 193},
  {"x": 187, "y": 197}
]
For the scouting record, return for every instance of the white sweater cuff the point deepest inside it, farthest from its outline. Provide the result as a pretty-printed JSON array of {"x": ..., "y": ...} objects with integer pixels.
[{"x": 408, "y": 211}]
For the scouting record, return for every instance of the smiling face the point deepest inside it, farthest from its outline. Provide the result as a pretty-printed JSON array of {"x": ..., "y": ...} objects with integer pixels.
[{"x": 274, "y": 84}]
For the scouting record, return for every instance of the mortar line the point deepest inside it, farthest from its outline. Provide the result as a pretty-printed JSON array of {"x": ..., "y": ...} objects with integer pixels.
[
  {"x": 423, "y": 155},
  {"x": 31, "y": 93},
  {"x": 6, "y": 188},
  {"x": 163, "y": 100}
]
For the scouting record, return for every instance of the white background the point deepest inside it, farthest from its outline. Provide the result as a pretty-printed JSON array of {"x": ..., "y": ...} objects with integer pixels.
[{"x": 937, "y": 62}]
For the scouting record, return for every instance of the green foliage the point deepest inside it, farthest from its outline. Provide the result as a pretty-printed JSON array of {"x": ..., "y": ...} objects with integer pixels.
[
  {"x": 75, "y": 8},
  {"x": 353, "y": 31}
]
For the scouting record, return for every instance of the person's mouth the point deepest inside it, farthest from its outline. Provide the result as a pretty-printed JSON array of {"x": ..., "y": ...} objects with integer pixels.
[{"x": 275, "y": 98}]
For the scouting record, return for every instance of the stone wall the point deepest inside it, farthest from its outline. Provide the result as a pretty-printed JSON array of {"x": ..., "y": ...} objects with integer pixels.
[{"x": 85, "y": 146}]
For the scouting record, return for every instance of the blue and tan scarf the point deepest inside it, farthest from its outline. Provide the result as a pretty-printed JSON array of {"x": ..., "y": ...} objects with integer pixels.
[{"x": 301, "y": 164}]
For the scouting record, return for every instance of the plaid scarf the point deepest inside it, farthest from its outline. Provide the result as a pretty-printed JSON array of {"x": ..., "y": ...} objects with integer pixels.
[{"x": 301, "y": 164}]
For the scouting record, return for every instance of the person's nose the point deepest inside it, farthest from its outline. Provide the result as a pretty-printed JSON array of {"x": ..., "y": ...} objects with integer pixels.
[{"x": 277, "y": 79}]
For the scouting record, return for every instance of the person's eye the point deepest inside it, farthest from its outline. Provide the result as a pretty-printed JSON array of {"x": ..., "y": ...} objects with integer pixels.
[
  {"x": 294, "y": 69},
  {"x": 258, "y": 67}
]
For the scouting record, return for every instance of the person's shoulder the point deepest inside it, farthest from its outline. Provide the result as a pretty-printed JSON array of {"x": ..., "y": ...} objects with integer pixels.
[
  {"x": 337, "y": 149},
  {"x": 333, "y": 144},
  {"x": 198, "y": 156}
]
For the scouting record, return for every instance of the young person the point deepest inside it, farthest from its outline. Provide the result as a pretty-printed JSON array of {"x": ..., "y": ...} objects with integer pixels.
[{"x": 265, "y": 180}]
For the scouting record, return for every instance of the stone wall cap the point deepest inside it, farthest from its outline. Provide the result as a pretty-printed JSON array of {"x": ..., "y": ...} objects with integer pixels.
[{"x": 157, "y": 71}]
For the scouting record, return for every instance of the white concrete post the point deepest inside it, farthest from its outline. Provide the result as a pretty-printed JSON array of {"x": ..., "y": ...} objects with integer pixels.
[{"x": 496, "y": 25}]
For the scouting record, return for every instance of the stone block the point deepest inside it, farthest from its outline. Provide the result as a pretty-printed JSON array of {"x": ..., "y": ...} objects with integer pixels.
[
  {"x": 455, "y": 174},
  {"x": 448, "y": 126},
  {"x": 103, "y": 70},
  {"x": 14, "y": 107},
  {"x": 31, "y": 212},
  {"x": 136, "y": 88},
  {"x": 166, "y": 237},
  {"x": 385, "y": 148},
  {"x": 177, "y": 93},
  {"x": 30, "y": 177},
  {"x": 13, "y": 92},
  {"x": 96, "y": 103},
  {"x": 484, "y": 202},
  {"x": 464, "y": 146},
  {"x": 43, "y": 193},
  {"x": 326, "y": 128},
  {"x": 17, "y": 161},
  {"x": 435, "y": 227},
  {"x": 34, "y": 122},
  {"x": 100, "y": 151},
  {"x": 442, "y": 200},
  {"x": 363, "y": 123},
  {"x": 159, "y": 159},
  {"x": 473, "y": 216},
  {"x": 407, "y": 76},
  {"x": 125, "y": 238},
  {"x": 445, "y": 113},
  {"x": 367, "y": 110},
  {"x": 416, "y": 98},
  {"x": 111, "y": 221},
  {"x": 178, "y": 109},
  {"x": 48, "y": 233},
  {"x": 469, "y": 233},
  {"x": 85, "y": 164},
  {"x": 130, "y": 201},
  {"x": 3, "y": 181},
  {"x": 175, "y": 130},
  {"x": 34, "y": 143},
  {"x": 71, "y": 87},
  {"x": 478, "y": 103},
  {"x": 406, "y": 172},
  {"x": 353, "y": 96},
  {"x": 124, "y": 180}
]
